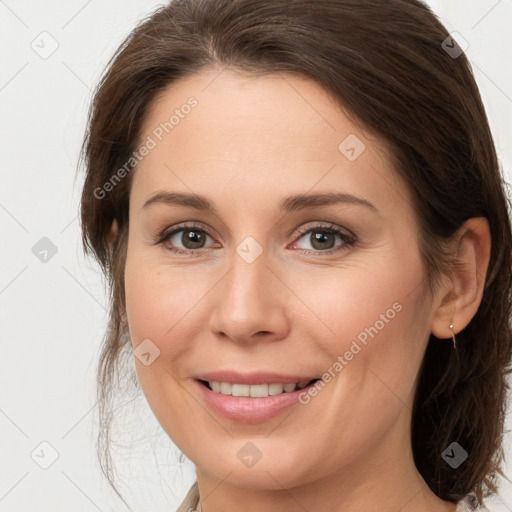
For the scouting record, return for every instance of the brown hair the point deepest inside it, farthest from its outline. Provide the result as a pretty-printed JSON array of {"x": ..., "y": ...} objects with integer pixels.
[{"x": 386, "y": 64}]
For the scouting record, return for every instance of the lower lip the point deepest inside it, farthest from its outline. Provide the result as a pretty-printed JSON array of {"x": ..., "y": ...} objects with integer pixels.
[{"x": 248, "y": 409}]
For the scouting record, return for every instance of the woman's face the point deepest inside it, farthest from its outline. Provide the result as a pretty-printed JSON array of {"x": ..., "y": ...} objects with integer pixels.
[{"x": 305, "y": 266}]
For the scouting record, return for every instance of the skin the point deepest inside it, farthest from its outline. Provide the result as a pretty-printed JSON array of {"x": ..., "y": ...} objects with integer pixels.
[{"x": 250, "y": 142}]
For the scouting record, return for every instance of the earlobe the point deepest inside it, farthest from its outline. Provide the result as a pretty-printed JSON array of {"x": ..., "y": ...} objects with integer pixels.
[
  {"x": 463, "y": 291},
  {"x": 112, "y": 235}
]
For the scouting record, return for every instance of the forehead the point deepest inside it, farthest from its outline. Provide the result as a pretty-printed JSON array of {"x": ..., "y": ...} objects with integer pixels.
[{"x": 237, "y": 133}]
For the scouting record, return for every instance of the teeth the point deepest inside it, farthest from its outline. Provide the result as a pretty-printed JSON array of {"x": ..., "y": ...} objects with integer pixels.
[
  {"x": 275, "y": 389},
  {"x": 240, "y": 389},
  {"x": 256, "y": 390},
  {"x": 225, "y": 388},
  {"x": 289, "y": 387}
]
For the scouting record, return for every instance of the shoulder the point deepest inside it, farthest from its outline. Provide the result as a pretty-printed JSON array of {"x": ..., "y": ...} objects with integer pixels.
[
  {"x": 191, "y": 500},
  {"x": 467, "y": 504},
  {"x": 470, "y": 504}
]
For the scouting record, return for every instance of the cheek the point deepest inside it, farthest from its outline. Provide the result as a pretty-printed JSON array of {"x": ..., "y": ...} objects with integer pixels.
[
  {"x": 371, "y": 325},
  {"x": 346, "y": 302},
  {"x": 157, "y": 303},
  {"x": 161, "y": 302},
  {"x": 371, "y": 355},
  {"x": 143, "y": 303}
]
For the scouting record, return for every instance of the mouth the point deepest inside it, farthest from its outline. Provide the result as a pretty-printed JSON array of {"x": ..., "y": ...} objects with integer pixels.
[
  {"x": 251, "y": 402},
  {"x": 255, "y": 390}
]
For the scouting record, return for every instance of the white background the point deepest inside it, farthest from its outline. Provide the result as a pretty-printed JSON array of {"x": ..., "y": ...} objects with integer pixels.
[{"x": 53, "y": 314}]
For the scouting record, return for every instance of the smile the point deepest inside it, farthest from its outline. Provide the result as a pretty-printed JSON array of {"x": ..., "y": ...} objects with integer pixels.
[
  {"x": 253, "y": 398},
  {"x": 255, "y": 390}
]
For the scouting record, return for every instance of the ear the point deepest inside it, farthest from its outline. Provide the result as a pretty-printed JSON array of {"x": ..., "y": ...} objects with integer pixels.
[
  {"x": 462, "y": 292},
  {"x": 112, "y": 235}
]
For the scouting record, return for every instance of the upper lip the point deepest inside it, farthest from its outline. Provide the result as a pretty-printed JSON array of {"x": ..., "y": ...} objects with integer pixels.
[{"x": 261, "y": 377}]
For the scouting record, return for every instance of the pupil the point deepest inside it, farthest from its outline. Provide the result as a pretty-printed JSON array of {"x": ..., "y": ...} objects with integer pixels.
[
  {"x": 193, "y": 240},
  {"x": 320, "y": 237}
]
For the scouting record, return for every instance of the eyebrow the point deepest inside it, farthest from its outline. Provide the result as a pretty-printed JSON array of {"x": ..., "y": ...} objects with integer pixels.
[{"x": 289, "y": 204}]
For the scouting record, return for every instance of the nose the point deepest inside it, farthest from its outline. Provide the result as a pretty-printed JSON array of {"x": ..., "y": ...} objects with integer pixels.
[{"x": 250, "y": 302}]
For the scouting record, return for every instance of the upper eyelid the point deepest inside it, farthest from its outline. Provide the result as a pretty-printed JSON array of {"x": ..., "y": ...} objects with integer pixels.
[
  {"x": 301, "y": 231},
  {"x": 323, "y": 225},
  {"x": 186, "y": 225}
]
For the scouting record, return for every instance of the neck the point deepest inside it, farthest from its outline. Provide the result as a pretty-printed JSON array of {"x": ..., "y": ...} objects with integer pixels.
[{"x": 382, "y": 480}]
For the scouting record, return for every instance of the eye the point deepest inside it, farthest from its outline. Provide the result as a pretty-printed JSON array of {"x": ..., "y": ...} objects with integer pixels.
[
  {"x": 323, "y": 238},
  {"x": 191, "y": 237}
]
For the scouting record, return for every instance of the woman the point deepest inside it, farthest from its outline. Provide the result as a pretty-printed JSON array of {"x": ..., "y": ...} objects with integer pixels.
[{"x": 300, "y": 211}]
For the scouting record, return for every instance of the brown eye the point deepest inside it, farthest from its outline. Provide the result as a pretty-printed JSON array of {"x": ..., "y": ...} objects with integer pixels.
[
  {"x": 189, "y": 238},
  {"x": 323, "y": 239},
  {"x": 186, "y": 239},
  {"x": 192, "y": 239}
]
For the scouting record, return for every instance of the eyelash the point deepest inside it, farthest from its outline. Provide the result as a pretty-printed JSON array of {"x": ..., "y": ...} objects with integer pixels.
[{"x": 347, "y": 238}]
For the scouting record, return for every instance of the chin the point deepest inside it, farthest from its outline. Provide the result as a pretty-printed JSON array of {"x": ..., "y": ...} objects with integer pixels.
[{"x": 263, "y": 475}]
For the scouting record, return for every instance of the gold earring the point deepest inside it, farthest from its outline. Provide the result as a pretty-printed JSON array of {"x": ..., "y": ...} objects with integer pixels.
[{"x": 453, "y": 337}]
